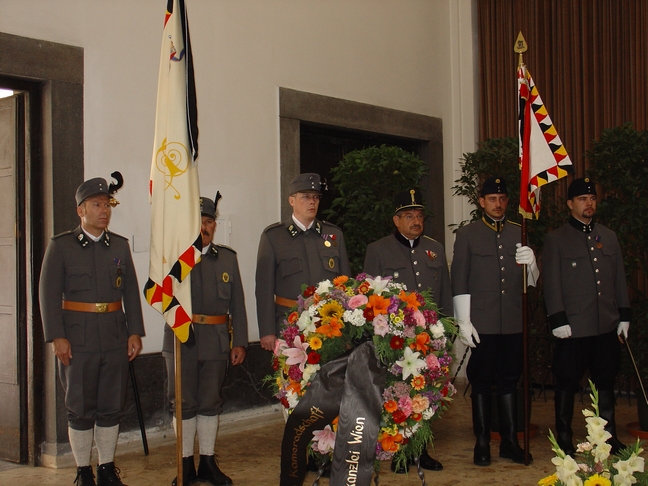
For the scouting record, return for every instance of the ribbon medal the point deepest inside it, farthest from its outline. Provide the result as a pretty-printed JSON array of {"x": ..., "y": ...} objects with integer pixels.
[
  {"x": 329, "y": 240},
  {"x": 599, "y": 245},
  {"x": 431, "y": 255}
]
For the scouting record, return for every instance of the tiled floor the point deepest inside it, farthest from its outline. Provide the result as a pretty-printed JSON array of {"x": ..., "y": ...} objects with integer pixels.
[{"x": 251, "y": 457}]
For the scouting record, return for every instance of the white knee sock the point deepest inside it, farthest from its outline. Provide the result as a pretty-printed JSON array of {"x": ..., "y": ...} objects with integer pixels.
[
  {"x": 81, "y": 444},
  {"x": 207, "y": 430},
  {"x": 188, "y": 435},
  {"x": 106, "y": 440}
]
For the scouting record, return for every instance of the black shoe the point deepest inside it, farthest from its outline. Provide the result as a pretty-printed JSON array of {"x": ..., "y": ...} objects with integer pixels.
[
  {"x": 428, "y": 462},
  {"x": 188, "y": 472},
  {"x": 616, "y": 444},
  {"x": 108, "y": 475},
  {"x": 84, "y": 476},
  {"x": 209, "y": 472},
  {"x": 399, "y": 470}
]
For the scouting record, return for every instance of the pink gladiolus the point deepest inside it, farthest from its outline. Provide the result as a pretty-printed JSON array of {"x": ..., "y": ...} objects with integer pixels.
[
  {"x": 432, "y": 362},
  {"x": 380, "y": 325},
  {"x": 419, "y": 318}
]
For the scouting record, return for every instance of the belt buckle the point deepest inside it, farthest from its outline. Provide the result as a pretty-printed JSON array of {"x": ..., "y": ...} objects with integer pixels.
[
  {"x": 202, "y": 318},
  {"x": 101, "y": 307}
]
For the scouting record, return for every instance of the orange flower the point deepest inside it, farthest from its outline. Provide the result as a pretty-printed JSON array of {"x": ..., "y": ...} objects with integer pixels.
[
  {"x": 363, "y": 288},
  {"x": 292, "y": 318},
  {"x": 412, "y": 301},
  {"x": 416, "y": 417},
  {"x": 421, "y": 343},
  {"x": 391, "y": 406},
  {"x": 332, "y": 329},
  {"x": 418, "y": 383},
  {"x": 294, "y": 387},
  {"x": 378, "y": 303},
  {"x": 339, "y": 281},
  {"x": 389, "y": 443}
]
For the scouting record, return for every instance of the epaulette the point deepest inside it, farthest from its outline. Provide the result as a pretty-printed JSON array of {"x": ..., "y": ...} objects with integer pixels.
[
  {"x": 513, "y": 223},
  {"x": 227, "y": 248},
  {"x": 118, "y": 236},
  {"x": 431, "y": 239},
  {"x": 62, "y": 234},
  {"x": 272, "y": 226},
  {"x": 331, "y": 224}
]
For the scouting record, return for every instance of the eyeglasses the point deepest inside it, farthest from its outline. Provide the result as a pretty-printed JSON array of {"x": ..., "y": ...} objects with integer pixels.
[
  {"x": 310, "y": 197},
  {"x": 411, "y": 217}
]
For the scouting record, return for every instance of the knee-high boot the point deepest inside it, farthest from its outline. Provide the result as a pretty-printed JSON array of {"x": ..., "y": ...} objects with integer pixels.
[
  {"x": 606, "y": 411},
  {"x": 481, "y": 415},
  {"x": 564, "y": 409},
  {"x": 507, "y": 413}
]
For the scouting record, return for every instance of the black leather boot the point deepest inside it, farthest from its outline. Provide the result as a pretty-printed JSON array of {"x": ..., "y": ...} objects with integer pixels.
[
  {"x": 84, "y": 476},
  {"x": 481, "y": 416},
  {"x": 507, "y": 413},
  {"x": 606, "y": 411},
  {"x": 209, "y": 472},
  {"x": 564, "y": 408},
  {"x": 108, "y": 475},
  {"x": 188, "y": 472}
]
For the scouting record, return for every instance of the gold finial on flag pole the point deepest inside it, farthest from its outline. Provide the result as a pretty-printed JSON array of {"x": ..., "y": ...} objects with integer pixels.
[{"x": 520, "y": 47}]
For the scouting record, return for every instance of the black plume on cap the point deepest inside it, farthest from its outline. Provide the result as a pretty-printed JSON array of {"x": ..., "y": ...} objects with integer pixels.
[{"x": 113, "y": 188}]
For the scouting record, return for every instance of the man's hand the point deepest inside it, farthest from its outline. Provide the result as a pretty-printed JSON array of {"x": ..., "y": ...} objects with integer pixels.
[
  {"x": 237, "y": 355},
  {"x": 62, "y": 350},
  {"x": 134, "y": 346},
  {"x": 562, "y": 332},
  {"x": 622, "y": 328},
  {"x": 268, "y": 342}
]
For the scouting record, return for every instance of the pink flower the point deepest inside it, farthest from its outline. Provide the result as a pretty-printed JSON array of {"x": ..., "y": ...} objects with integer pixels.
[
  {"x": 405, "y": 404},
  {"x": 324, "y": 440},
  {"x": 432, "y": 362},
  {"x": 297, "y": 355},
  {"x": 380, "y": 325},
  {"x": 280, "y": 345},
  {"x": 420, "y": 403},
  {"x": 419, "y": 318},
  {"x": 357, "y": 300}
]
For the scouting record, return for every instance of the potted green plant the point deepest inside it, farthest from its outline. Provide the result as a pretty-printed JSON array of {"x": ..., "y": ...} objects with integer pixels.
[{"x": 365, "y": 183}]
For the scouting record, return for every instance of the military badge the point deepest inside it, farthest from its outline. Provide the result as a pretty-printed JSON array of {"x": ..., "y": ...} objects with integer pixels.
[
  {"x": 331, "y": 263},
  {"x": 225, "y": 277},
  {"x": 431, "y": 255}
]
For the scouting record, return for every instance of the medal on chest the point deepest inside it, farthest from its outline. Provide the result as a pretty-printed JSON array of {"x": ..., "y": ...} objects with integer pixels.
[{"x": 118, "y": 279}]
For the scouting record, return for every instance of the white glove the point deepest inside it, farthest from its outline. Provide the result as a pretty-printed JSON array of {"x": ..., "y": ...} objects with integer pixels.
[
  {"x": 525, "y": 256},
  {"x": 467, "y": 333},
  {"x": 623, "y": 328},
  {"x": 562, "y": 332}
]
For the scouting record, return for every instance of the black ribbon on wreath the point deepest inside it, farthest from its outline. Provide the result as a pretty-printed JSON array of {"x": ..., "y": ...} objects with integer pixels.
[{"x": 350, "y": 386}]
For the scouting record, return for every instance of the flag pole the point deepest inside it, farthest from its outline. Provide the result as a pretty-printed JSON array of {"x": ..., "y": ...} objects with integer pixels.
[
  {"x": 178, "y": 407},
  {"x": 521, "y": 47}
]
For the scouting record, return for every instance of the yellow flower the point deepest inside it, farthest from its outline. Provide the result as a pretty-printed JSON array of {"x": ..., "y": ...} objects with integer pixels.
[
  {"x": 330, "y": 310},
  {"x": 597, "y": 480},
  {"x": 315, "y": 343},
  {"x": 549, "y": 480}
]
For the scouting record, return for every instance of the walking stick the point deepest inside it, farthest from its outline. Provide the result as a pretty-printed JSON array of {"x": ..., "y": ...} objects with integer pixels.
[
  {"x": 634, "y": 364},
  {"x": 138, "y": 407},
  {"x": 178, "y": 408}
]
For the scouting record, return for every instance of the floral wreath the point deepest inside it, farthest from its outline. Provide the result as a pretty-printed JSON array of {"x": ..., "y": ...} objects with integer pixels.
[{"x": 412, "y": 340}]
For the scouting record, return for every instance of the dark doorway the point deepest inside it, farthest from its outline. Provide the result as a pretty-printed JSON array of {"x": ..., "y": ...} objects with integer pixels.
[{"x": 323, "y": 147}]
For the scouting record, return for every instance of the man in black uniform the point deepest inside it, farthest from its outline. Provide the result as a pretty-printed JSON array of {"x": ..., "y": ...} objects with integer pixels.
[
  {"x": 415, "y": 260},
  {"x": 300, "y": 250},
  {"x": 216, "y": 294},
  {"x": 87, "y": 276},
  {"x": 487, "y": 289},
  {"x": 588, "y": 306}
]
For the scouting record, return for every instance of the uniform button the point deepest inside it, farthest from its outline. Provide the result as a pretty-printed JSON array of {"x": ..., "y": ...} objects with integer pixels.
[
  {"x": 420, "y": 285},
  {"x": 502, "y": 269},
  {"x": 598, "y": 282},
  {"x": 503, "y": 291},
  {"x": 498, "y": 235},
  {"x": 596, "y": 259},
  {"x": 412, "y": 251},
  {"x": 415, "y": 263},
  {"x": 501, "y": 257},
  {"x": 500, "y": 247},
  {"x": 597, "y": 270},
  {"x": 599, "y": 294},
  {"x": 503, "y": 280},
  {"x": 419, "y": 273},
  {"x": 592, "y": 248},
  {"x": 589, "y": 237}
]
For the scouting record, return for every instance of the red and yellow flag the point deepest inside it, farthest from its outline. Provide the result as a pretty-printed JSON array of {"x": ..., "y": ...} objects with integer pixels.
[
  {"x": 543, "y": 157},
  {"x": 174, "y": 191}
]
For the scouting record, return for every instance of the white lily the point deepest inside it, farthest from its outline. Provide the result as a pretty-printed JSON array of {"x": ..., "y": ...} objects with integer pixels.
[
  {"x": 378, "y": 285},
  {"x": 411, "y": 363}
]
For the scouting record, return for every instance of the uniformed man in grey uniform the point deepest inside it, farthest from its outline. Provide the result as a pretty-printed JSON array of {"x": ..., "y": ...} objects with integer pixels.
[
  {"x": 415, "y": 260},
  {"x": 216, "y": 299},
  {"x": 587, "y": 301},
  {"x": 487, "y": 288},
  {"x": 300, "y": 250},
  {"x": 90, "y": 306}
]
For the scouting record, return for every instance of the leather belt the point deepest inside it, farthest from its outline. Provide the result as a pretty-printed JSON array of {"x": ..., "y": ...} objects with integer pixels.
[
  {"x": 203, "y": 319},
  {"x": 96, "y": 307},
  {"x": 285, "y": 302}
]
